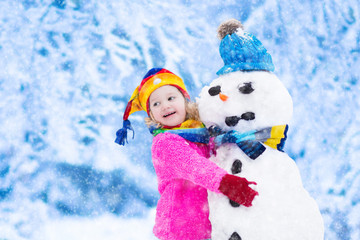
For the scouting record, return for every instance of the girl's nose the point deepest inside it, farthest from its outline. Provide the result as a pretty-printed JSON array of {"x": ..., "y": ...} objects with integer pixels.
[
  {"x": 165, "y": 105},
  {"x": 223, "y": 97}
]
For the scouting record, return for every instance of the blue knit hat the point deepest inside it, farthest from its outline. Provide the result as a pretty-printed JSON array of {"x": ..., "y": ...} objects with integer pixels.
[{"x": 241, "y": 51}]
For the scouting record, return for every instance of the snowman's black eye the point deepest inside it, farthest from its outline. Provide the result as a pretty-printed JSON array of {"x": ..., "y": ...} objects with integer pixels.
[
  {"x": 213, "y": 91},
  {"x": 246, "y": 88}
]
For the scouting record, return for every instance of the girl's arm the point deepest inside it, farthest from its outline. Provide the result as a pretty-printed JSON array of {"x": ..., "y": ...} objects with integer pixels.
[{"x": 173, "y": 157}]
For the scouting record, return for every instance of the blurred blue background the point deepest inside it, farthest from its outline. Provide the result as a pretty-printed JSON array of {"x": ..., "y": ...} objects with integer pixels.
[{"x": 70, "y": 66}]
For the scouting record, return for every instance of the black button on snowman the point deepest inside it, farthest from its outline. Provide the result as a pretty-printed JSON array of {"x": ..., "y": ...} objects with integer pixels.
[{"x": 248, "y": 109}]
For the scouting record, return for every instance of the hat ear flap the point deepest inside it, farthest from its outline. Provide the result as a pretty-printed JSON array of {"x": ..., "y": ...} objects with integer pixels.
[
  {"x": 132, "y": 106},
  {"x": 121, "y": 134}
]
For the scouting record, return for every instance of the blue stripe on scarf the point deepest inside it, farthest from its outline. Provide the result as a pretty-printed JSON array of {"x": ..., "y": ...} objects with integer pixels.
[
  {"x": 198, "y": 135},
  {"x": 249, "y": 142},
  {"x": 245, "y": 141},
  {"x": 252, "y": 149},
  {"x": 281, "y": 145}
]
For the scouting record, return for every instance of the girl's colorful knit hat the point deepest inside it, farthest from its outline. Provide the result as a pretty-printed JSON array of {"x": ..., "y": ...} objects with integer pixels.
[{"x": 153, "y": 79}]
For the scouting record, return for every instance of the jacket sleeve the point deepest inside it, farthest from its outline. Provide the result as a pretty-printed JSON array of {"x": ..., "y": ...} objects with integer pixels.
[{"x": 173, "y": 157}]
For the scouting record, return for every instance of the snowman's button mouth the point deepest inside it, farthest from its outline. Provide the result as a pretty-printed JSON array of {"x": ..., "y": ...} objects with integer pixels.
[
  {"x": 248, "y": 116},
  {"x": 233, "y": 120}
]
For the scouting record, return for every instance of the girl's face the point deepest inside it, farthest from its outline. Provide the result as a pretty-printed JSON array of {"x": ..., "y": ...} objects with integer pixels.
[{"x": 167, "y": 106}]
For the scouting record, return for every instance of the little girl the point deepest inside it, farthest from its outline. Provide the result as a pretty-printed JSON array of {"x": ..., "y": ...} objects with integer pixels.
[{"x": 180, "y": 157}]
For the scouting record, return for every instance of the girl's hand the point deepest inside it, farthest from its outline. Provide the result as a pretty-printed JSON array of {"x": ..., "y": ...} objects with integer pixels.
[{"x": 237, "y": 189}]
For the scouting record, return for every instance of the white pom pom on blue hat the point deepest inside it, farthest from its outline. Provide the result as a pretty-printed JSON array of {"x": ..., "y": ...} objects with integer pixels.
[{"x": 241, "y": 51}]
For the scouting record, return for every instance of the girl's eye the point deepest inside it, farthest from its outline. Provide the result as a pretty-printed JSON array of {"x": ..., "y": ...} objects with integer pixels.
[
  {"x": 171, "y": 98},
  {"x": 155, "y": 104},
  {"x": 213, "y": 91},
  {"x": 246, "y": 88}
]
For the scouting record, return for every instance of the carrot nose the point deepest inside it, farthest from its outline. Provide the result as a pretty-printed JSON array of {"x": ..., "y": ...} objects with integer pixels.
[{"x": 223, "y": 97}]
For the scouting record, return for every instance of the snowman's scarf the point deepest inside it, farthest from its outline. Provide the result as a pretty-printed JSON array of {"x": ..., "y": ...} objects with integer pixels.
[
  {"x": 191, "y": 130},
  {"x": 251, "y": 142}
]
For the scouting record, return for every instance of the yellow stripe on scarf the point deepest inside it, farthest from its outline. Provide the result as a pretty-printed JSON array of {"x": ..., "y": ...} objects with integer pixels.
[
  {"x": 190, "y": 124},
  {"x": 276, "y": 135}
]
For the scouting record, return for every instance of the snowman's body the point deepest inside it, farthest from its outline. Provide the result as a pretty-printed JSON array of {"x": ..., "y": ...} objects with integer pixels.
[{"x": 283, "y": 210}]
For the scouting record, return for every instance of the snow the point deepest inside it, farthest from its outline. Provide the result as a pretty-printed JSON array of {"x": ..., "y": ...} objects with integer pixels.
[
  {"x": 102, "y": 227},
  {"x": 69, "y": 68}
]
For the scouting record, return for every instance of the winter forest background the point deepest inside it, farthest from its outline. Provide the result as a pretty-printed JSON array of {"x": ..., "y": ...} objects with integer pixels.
[{"x": 68, "y": 68}]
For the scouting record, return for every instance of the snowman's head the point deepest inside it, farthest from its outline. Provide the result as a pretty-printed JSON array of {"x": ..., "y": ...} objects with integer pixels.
[{"x": 245, "y": 100}]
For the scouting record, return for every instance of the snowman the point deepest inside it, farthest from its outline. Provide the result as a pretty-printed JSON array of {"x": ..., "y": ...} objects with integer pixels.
[{"x": 247, "y": 110}]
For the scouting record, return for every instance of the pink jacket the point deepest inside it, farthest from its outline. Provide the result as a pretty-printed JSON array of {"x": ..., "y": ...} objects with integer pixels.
[{"x": 184, "y": 174}]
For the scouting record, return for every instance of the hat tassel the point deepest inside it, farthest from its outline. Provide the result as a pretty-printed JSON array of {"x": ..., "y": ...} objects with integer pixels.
[{"x": 121, "y": 134}]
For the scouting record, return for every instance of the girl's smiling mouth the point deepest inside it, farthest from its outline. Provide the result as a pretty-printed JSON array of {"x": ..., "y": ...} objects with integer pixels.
[{"x": 169, "y": 114}]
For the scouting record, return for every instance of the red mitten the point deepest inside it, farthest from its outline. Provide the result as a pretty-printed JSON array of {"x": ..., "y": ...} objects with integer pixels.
[{"x": 237, "y": 189}]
